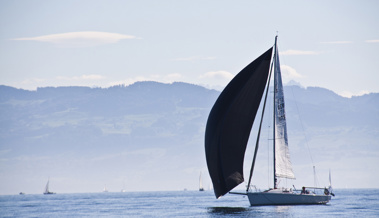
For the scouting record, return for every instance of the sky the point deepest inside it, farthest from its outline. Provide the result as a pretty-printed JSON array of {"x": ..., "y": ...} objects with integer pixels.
[{"x": 329, "y": 44}]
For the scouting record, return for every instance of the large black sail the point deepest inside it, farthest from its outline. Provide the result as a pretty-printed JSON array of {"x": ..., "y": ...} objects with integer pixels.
[{"x": 230, "y": 122}]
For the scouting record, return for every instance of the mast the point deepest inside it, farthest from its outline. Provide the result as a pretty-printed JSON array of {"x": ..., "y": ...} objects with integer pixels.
[{"x": 274, "y": 136}]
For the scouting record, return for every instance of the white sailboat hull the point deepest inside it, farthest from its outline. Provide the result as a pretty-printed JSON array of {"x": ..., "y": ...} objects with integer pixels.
[{"x": 267, "y": 198}]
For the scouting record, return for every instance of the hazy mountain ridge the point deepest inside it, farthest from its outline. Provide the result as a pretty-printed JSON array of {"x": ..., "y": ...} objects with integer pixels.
[
  {"x": 81, "y": 111},
  {"x": 314, "y": 101},
  {"x": 148, "y": 132}
]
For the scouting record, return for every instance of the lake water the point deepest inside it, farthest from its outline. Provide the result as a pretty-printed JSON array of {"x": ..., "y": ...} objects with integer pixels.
[{"x": 346, "y": 203}]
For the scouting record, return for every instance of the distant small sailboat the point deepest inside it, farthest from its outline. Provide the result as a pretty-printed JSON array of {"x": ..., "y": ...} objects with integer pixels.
[
  {"x": 105, "y": 188},
  {"x": 123, "y": 187},
  {"x": 228, "y": 130},
  {"x": 200, "y": 184},
  {"x": 47, "y": 191}
]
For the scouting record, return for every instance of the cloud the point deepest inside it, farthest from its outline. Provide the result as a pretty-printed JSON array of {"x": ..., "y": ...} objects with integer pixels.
[
  {"x": 95, "y": 80},
  {"x": 337, "y": 42},
  {"x": 373, "y": 41},
  {"x": 174, "y": 77},
  {"x": 217, "y": 75},
  {"x": 194, "y": 58},
  {"x": 298, "y": 52},
  {"x": 289, "y": 73},
  {"x": 79, "y": 39},
  {"x": 215, "y": 79},
  {"x": 33, "y": 81},
  {"x": 83, "y": 80},
  {"x": 129, "y": 81},
  {"x": 348, "y": 94},
  {"x": 82, "y": 77}
]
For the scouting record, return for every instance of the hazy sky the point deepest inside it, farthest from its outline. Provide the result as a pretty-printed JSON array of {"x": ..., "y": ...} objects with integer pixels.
[{"x": 331, "y": 44}]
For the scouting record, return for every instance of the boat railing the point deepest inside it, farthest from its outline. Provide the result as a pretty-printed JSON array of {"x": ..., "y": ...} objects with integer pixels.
[
  {"x": 313, "y": 190},
  {"x": 254, "y": 188},
  {"x": 314, "y": 187}
]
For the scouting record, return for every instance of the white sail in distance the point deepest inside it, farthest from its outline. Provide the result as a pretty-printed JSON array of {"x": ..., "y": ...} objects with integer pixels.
[
  {"x": 283, "y": 166},
  {"x": 47, "y": 187},
  {"x": 200, "y": 183}
]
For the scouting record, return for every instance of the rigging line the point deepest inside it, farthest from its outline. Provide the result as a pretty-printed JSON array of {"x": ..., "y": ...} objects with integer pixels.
[
  {"x": 268, "y": 164},
  {"x": 316, "y": 177},
  {"x": 268, "y": 144},
  {"x": 268, "y": 141},
  {"x": 302, "y": 126},
  {"x": 301, "y": 121}
]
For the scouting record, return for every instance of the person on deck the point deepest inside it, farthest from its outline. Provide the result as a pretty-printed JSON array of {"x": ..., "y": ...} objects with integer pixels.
[{"x": 303, "y": 190}]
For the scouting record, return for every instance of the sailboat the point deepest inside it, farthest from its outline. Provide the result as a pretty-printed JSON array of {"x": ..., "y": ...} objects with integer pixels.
[
  {"x": 228, "y": 130},
  {"x": 105, "y": 188},
  {"x": 123, "y": 187},
  {"x": 47, "y": 191},
  {"x": 200, "y": 184}
]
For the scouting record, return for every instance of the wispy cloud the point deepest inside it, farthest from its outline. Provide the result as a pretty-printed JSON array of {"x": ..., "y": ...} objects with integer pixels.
[
  {"x": 174, "y": 76},
  {"x": 82, "y": 77},
  {"x": 79, "y": 39},
  {"x": 95, "y": 80},
  {"x": 225, "y": 75},
  {"x": 169, "y": 78},
  {"x": 289, "y": 73},
  {"x": 298, "y": 52},
  {"x": 33, "y": 81},
  {"x": 373, "y": 41},
  {"x": 337, "y": 42},
  {"x": 215, "y": 79},
  {"x": 83, "y": 80},
  {"x": 348, "y": 94},
  {"x": 194, "y": 58}
]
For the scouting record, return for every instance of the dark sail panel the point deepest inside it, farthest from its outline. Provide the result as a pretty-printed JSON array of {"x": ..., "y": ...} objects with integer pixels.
[{"x": 230, "y": 122}]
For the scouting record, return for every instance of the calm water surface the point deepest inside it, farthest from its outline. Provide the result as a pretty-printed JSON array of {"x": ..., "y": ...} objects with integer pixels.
[{"x": 347, "y": 203}]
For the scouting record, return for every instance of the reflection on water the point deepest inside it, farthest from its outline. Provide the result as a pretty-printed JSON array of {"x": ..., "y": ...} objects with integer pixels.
[
  {"x": 266, "y": 211},
  {"x": 348, "y": 203},
  {"x": 282, "y": 209},
  {"x": 227, "y": 210}
]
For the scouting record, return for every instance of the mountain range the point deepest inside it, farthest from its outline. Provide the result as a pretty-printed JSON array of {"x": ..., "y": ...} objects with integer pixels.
[{"x": 150, "y": 136}]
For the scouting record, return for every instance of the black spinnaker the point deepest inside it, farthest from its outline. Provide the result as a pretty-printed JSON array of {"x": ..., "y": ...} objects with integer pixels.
[{"x": 230, "y": 122}]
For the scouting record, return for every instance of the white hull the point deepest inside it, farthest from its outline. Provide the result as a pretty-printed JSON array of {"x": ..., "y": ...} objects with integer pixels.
[{"x": 267, "y": 198}]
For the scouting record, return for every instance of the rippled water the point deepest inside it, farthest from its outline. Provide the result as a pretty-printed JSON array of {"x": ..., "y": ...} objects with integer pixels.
[{"x": 347, "y": 203}]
